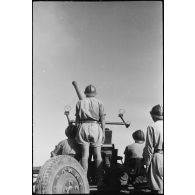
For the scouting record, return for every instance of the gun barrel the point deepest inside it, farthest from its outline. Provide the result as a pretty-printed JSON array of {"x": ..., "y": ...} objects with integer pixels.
[{"x": 79, "y": 94}]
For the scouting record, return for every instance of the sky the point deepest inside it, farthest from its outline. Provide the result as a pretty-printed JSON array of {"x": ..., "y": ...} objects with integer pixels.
[{"x": 116, "y": 46}]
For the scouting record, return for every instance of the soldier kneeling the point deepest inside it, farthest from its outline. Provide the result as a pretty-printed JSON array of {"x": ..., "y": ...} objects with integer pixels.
[{"x": 68, "y": 146}]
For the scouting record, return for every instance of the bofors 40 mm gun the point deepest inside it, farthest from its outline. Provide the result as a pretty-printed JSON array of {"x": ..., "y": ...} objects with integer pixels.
[{"x": 63, "y": 174}]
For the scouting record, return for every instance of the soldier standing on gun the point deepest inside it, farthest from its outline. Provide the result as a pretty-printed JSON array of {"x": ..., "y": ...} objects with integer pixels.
[
  {"x": 153, "y": 151},
  {"x": 89, "y": 112}
]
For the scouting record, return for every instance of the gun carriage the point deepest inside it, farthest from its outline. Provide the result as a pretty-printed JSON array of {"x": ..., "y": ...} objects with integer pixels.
[{"x": 63, "y": 174}]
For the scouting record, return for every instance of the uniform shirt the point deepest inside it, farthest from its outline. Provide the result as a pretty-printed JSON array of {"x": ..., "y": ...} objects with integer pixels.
[
  {"x": 89, "y": 108},
  {"x": 154, "y": 140},
  {"x": 133, "y": 157},
  {"x": 67, "y": 147},
  {"x": 134, "y": 150}
]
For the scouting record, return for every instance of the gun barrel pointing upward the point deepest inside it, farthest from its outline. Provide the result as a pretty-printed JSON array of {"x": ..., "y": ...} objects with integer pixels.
[{"x": 79, "y": 94}]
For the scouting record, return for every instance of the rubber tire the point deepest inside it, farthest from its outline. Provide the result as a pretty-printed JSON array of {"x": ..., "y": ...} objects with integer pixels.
[{"x": 50, "y": 169}]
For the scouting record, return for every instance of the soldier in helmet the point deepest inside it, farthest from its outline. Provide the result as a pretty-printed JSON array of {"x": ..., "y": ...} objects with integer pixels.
[
  {"x": 134, "y": 155},
  {"x": 89, "y": 113},
  {"x": 68, "y": 146},
  {"x": 153, "y": 151}
]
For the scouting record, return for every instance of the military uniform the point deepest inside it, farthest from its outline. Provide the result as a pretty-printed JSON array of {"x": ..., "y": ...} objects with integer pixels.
[
  {"x": 134, "y": 150},
  {"x": 153, "y": 154},
  {"x": 134, "y": 154},
  {"x": 88, "y": 113},
  {"x": 67, "y": 147}
]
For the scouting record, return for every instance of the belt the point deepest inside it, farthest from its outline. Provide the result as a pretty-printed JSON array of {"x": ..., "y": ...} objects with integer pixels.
[
  {"x": 158, "y": 150},
  {"x": 89, "y": 121}
]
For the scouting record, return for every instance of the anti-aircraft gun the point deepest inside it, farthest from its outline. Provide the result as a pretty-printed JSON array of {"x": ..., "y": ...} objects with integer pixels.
[
  {"x": 63, "y": 174},
  {"x": 112, "y": 169},
  {"x": 109, "y": 153}
]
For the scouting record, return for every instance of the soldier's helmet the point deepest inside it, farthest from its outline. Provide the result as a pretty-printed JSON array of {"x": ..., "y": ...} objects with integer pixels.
[
  {"x": 157, "y": 112},
  {"x": 139, "y": 136},
  {"x": 90, "y": 91}
]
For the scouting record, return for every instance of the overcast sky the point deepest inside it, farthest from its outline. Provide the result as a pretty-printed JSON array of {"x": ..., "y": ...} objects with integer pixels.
[{"x": 116, "y": 46}]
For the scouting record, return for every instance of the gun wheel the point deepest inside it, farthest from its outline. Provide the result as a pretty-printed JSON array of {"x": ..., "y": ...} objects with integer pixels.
[{"x": 62, "y": 175}]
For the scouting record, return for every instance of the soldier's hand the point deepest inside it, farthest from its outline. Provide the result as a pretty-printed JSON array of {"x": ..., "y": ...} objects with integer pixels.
[{"x": 146, "y": 170}]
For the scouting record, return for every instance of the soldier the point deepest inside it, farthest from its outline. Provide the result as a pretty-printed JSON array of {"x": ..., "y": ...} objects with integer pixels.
[
  {"x": 89, "y": 112},
  {"x": 68, "y": 146},
  {"x": 134, "y": 155},
  {"x": 153, "y": 151}
]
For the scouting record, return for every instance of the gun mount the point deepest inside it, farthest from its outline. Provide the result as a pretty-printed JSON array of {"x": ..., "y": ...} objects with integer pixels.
[
  {"x": 109, "y": 152},
  {"x": 110, "y": 165},
  {"x": 63, "y": 174}
]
